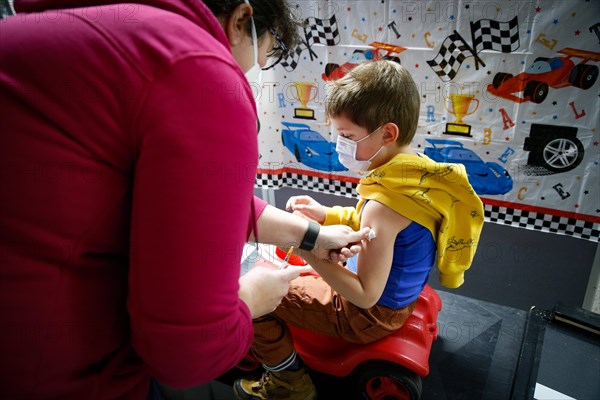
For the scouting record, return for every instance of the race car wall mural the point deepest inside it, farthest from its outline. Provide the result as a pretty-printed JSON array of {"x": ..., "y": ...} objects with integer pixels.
[{"x": 508, "y": 88}]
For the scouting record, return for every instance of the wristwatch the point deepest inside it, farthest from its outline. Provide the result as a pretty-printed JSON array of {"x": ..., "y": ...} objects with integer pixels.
[{"x": 310, "y": 237}]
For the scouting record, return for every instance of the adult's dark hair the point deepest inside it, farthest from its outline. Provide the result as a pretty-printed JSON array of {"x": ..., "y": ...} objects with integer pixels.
[
  {"x": 267, "y": 14},
  {"x": 5, "y": 9}
]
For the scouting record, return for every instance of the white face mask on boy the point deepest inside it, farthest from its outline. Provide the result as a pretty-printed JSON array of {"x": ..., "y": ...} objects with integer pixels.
[
  {"x": 346, "y": 149},
  {"x": 254, "y": 74}
]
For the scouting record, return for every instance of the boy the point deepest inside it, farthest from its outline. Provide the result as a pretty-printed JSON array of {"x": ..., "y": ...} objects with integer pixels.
[{"x": 416, "y": 207}]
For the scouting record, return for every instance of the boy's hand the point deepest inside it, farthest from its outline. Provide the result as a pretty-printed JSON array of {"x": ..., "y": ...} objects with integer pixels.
[
  {"x": 337, "y": 243},
  {"x": 306, "y": 207}
]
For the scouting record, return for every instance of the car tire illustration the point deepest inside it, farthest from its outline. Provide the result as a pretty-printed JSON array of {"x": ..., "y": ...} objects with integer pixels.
[
  {"x": 297, "y": 154},
  {"x": 392, "y": 58},
  {"x": 500, "y": 78},
  {"x": 330, "y": 67},
  {"x": 383, "y": 380},
  {"x": 536, "y": 91},
  {"x": 558, "y": 153},
  {"x": 583, "y": 76}
]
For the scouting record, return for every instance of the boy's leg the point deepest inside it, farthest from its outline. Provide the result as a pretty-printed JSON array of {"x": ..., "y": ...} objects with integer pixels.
[
  {"x": 286, "y": 376},
  {"x": 310, "y": 304}
]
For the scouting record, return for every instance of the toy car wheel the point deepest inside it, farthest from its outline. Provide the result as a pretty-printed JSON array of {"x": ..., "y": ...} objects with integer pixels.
[
  {"x": 536, "y": 91},
  {"x": 392, "y": 58},
  {"x": 379, "y": 380},
  {"x": 583, "y": 76},
  {"x": 330, "y": 67},
  {"x": 560, "y": 154},
  {"x": 541, "y": 59},
  {"x": 500, "y": 78},
  {"x": 297, "y": 154}
]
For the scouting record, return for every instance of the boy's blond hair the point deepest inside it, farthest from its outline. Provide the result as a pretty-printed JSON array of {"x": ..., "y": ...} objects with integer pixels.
[{"x": 374, "y": 93}]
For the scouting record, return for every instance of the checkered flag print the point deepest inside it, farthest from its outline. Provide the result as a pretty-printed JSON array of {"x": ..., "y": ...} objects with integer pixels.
[
  {"x": 316, "y": 30},
  {"x": 321, "y": 31},
  {"x": 291, "y": 59},
  {"x": 446, "y": 64},
  {"x": 493, "y": 35}
]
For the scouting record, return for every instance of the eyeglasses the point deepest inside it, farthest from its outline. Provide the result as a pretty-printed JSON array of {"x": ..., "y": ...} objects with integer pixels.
[{"x": 276, "y": 54}]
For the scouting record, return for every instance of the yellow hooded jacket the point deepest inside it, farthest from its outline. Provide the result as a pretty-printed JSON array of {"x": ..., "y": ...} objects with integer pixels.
[{"x": 435, "y": 195}]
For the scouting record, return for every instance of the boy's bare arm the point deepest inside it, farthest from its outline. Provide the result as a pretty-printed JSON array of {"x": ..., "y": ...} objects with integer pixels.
[{"x": 374, "y": 262}]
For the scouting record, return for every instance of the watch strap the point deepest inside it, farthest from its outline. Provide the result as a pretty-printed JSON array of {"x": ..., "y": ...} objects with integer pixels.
[{"x": 310, "y": 237}]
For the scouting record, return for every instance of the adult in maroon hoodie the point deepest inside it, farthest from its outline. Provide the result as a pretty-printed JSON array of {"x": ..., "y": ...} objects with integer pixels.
[{"x": 128, "y": 154}]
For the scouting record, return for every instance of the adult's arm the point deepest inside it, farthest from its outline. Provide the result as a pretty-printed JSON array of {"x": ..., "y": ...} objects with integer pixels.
[
  {"x": 284, "y": 229},
  {"x": 193, "y": 187}
]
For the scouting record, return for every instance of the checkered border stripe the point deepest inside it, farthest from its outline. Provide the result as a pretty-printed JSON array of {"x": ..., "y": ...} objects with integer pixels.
[
  {"x": 543, "y": 222},
  {"x": 306, "y": 182},
  {"x": 501, "y": 215}
]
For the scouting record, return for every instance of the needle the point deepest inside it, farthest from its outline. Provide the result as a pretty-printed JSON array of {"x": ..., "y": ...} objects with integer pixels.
[{"x": 287, "y": 257}]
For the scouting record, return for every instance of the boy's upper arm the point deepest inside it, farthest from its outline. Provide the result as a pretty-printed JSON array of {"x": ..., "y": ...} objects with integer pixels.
[{"x": 375, "y": 260}]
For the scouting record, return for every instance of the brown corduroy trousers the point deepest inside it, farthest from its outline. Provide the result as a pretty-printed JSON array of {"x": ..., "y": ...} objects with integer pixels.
[{"x": 312, "y": 304}]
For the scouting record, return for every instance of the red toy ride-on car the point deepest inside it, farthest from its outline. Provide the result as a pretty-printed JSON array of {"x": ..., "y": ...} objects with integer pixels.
[{"x": 389, "y": 368}]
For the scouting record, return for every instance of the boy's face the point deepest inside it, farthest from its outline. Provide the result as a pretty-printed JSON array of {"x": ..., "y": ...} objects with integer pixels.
[{"x": 365, "y": 148}]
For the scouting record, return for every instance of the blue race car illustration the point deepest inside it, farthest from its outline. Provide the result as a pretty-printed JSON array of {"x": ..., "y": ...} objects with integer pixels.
[
  {"x": 310, "y": 148},
  {"x": 485, "y": 177}
]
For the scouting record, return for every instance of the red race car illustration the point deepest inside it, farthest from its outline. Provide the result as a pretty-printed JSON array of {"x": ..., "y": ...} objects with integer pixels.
[
  {"x": 336, "y": 71},
  {"x": 556, "y": 72}
]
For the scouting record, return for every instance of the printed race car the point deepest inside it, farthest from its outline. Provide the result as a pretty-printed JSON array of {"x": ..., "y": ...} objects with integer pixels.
[
  {"x": 310, "y": 148},
  {"x": 335, "y": 71},
  {"x": 485, "y": 177},
  {"x": 556, "y": 72}
]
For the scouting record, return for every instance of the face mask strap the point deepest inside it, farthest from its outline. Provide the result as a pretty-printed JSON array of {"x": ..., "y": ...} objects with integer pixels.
[
  {"x": 254, "y": 37},
  {"x": 369, "y": 135}
]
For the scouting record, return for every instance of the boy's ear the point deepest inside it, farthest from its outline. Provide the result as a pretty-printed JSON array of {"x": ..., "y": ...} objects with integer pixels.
[
  {"x": 390, "y": 134},
  {"x": 235, "y": 23}
]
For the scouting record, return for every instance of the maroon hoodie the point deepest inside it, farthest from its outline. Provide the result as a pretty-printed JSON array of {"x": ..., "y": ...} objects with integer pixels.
[{"x": 128, "y": 155}]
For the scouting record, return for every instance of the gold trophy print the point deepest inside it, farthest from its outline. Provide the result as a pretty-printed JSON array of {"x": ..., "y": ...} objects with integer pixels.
[
  {"x": 303, "y": 95},
  {"x": 460, "y": 108}
]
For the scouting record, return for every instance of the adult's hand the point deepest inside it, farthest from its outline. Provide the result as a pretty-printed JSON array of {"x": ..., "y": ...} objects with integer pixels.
[
  {"x": 263, "y": 287},
  {"x": 339, "y": 242}
]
